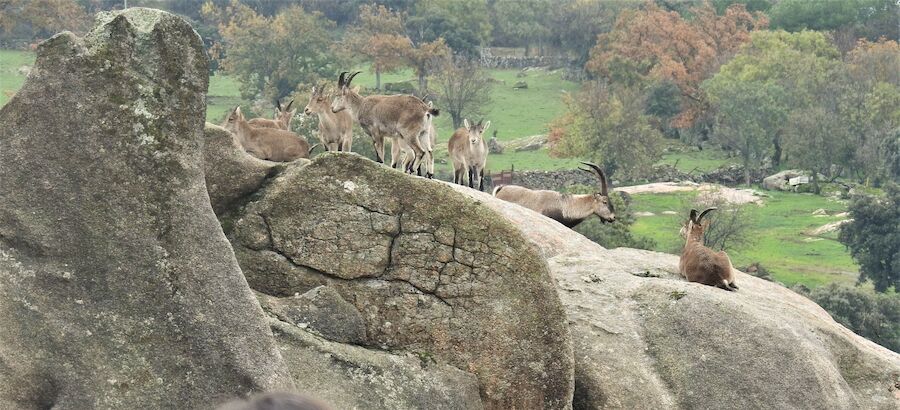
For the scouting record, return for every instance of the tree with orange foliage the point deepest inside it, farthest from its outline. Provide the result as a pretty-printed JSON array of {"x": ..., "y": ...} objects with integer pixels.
[
  {"x": 378, "y": 37},
  {"x": 654, "y": 44}
]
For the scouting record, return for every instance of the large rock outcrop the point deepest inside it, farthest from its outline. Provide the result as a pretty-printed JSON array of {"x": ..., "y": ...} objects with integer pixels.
[
  {"x": 645, "y": 338},
  {"x": 430, "y": 271},
  {"x": 118, "y": 288}
]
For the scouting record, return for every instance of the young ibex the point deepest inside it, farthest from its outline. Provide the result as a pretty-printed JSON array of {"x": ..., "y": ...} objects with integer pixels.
[
  {"x": 701, "y": 264},
  {"x": 335, "y": 129},
  {"x": 282, "y": 121},
  {"x": 266, "y": 143},
  {"x": 402, "y": 154},
  {"x": 569, "y": 210},
  {"x": 394, "y": 116},
  {"x": 468, "y": 151}
]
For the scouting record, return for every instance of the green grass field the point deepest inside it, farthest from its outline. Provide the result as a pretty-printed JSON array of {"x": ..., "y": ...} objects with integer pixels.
[
  {"x": 698, "y": 162},
  {"x": 10, "y": 78},
  {"x": 780, "y": 243}
]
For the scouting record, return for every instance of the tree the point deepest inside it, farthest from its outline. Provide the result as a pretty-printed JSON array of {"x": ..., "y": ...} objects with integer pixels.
[
  {"x": 873, "y": 236},
  {"x": 656, "y": 44},
  {"x": 865, "y": 18},
  {"x": 522, "y": 23},
  {"x": 41, "y": 18},
  {"x": 465, "y": 89},
  {"x": 424, "y": 57},
  {"x": 747, "y": 116},
  {"x": 817, "y": 139},
  {"x": 379, "y": 36},
  {"x": 868, "y": 314},
  {"x": 464, "y": 25},
  {"x": 273, "y": 55},
  {"x": 609, "y": 128}
]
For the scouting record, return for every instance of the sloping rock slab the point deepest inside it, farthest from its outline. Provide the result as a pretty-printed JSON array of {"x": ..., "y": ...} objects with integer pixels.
[
  {"x": 431, "y": 271},
  {"x": 117, "y": 287},
  {"x": 646, "y": 339}
]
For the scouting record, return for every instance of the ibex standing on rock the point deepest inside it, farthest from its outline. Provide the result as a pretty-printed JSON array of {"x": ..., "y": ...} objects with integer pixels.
[
  {"x": 282, "y": 121},
  {"x": 469, "y": 153},
  {"x": 569, "y": 210},
  {"x": 402, "y": 154},
  {"x": 266, "y": 143},
  {"x": 701, "y": 264},
  {"x": 393, "y": 116},
  {"x": 335, "y": 129}
]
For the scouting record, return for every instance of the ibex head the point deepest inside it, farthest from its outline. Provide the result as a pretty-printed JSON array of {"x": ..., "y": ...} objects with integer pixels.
[
  {"x": 318, "y": 101},
  {"x": 285, "y": 113},
  {"x": 340, "y": 101},
  {"x": 476, "y": 131},
  {"x": 694, "y": 227},
  {"x": 602, "y": 205}
]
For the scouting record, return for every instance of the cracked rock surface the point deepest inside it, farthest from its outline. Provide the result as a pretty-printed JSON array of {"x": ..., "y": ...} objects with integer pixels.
[
  {"x": 644, "y": 338},
  {"x": 430, "y": 271},
  {"x": 118, "y": 288}
]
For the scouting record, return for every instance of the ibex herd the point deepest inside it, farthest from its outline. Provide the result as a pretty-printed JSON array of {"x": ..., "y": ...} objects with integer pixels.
[{"x": 408, "y": 122}]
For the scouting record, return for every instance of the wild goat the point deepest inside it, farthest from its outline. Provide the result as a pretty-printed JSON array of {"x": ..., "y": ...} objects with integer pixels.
[
  {"x": 335, "y": 129},
  {"x": 282, "y": 121},
  {"x": 468, "y": 151},
  {"x": 427, "y": 141},
  {"x": 569, "y": 210},
  {"x": 266, "y": 143},
  {"x": 701, "y": 264},
  {"x": 394, "y": 116}
]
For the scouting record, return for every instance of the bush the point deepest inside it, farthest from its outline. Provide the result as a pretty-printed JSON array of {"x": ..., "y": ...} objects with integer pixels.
[{"x": 875, "y": 316}]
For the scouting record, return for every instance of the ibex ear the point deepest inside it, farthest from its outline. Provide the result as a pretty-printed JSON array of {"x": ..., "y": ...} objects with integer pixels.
[
  {"x": 466, "y": 123},
  {"x": 486, "y": 125}
]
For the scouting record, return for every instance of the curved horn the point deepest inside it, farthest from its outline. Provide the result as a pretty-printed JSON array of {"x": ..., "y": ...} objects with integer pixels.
[
  {"x": 341, "y": 81},
  {"x": 604, "y": 185},
  {"x": 349, "y": 79},
  {"x": 694, "y": 215},
  {"x": 288, "y": 108},
  {"x": 704, "y": 213},
  {"x": 278, "y": 104}
]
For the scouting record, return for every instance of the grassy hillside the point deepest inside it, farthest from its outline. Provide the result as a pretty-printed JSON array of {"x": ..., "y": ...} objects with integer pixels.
[
  {"x": 10, "y": 78},
  {"x": 781, "y": 242}
]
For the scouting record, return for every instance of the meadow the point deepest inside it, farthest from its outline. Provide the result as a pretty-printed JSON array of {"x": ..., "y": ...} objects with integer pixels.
[{"x": 781, "y": 238}]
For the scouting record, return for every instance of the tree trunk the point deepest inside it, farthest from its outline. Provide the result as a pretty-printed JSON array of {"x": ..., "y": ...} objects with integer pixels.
[
  {"x": 815, "y": 182},
  {"x": 776, "y": 156},
  {"x": 457, "y": 120},
  {"x": 377, "y": 79},
  {"x": 423, "y": 83}
]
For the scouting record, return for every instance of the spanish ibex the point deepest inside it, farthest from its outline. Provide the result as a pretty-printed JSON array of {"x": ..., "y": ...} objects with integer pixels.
[
  {"x": 402, "y": 154},
  {"x": 468, "y": 151},
  {"x": 282, "y": 121},
  {"x": 569, "y": 210},
  {"x": 335, "y": 129},
  {"x": 701, "y": 264},
  {"x": 266, "y": 143},
  {"x": 394, "y": 116}
]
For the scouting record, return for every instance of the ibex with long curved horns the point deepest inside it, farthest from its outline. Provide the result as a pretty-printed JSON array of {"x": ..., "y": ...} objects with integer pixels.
[
  {"x": 701, "y": 264},
  {"x": 392, "y": 116},
  {"x": 567, "y": 209}
]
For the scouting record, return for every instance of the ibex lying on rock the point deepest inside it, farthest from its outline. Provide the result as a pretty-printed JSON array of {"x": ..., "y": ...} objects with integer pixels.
[
  {"x": 402, "y": 154},
  {"x": 394, "y": 116},
  {"x": 282, "y": 121},
  {"x": 335, "y": 129},
  {"x": 266, "y": 143},
  {"x": 569, "y": 210},
  {"x": 701, "y": 264},
  {"x": 468, "y": 151}
]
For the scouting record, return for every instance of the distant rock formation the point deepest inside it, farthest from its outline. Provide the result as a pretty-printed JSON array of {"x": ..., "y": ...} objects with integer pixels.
[{"x": 118, "y": 288}]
